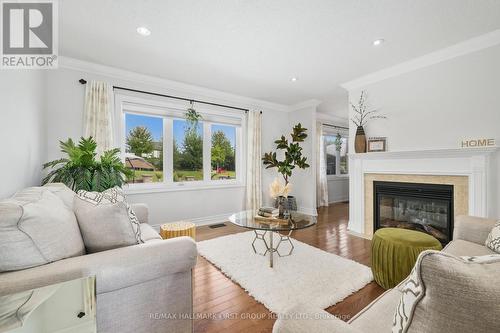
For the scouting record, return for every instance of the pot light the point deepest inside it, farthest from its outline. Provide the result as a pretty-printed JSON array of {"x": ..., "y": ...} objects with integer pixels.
[
  {"x": 293, "y": 79},
  {"x": 378, "y": 42},
  {"x": 143, "y": 31}
]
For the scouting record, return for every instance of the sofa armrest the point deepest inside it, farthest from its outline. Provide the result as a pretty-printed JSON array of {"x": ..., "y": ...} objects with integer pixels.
[
  {"x": 114, "y": 269},
  {"x": 141, "y": 211},
  {"x": 472, "y": 229},
  {"x": 302, "y": 318}
]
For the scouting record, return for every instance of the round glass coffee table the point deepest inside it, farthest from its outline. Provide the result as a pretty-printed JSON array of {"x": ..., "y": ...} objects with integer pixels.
[{"x": 248, "y": 219}]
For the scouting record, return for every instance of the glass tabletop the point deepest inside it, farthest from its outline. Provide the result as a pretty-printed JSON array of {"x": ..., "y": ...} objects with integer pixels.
[{"x": 248, "y": 219}]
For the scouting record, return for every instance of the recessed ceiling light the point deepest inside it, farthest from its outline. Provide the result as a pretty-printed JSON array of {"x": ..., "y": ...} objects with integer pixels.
[
  {"x": 143, "y": 31},
  {"x": 293, "y": 79},
  {"x": 378, "y": 42}
]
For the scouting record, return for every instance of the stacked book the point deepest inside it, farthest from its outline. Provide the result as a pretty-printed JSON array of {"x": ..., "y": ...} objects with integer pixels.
[{"x": 268, "y": 212}]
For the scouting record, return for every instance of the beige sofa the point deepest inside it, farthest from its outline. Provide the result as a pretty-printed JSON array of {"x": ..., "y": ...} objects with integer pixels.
[
  {"x": 446, "y": 305},
  {"x": 140, "y": 288}
]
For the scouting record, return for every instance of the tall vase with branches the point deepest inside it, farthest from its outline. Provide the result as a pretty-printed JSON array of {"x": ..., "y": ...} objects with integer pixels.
[{"x": 362, "y": 115}]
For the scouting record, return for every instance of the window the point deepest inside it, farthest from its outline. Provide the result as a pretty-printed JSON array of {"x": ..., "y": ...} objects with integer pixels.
[
  {"x": 164, "y": 150},
  {"x": 187, "y": 151},
  {"x": 223, "y": 155},
  {"x": 144, "y": 148},
  {"x": 337, "y": 161}
]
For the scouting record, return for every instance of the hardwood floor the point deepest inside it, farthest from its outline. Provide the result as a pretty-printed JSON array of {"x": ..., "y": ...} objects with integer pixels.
[{"x": 223, "y": 306}]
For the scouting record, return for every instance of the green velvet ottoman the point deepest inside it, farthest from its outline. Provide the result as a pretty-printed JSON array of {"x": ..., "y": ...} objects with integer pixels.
[{"x": 395, "y": 251}]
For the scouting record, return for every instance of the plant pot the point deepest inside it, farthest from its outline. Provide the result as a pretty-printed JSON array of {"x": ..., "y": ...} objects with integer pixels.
[
  {"x": 290, "y": 203},
  {"x": 360, "y": 140}
]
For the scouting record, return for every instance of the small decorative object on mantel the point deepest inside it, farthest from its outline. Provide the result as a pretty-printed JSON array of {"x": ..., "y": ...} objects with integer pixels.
[
  {"x": 360, "y": 119},
  {"x": 293, "y": 158},
  {"x": 377, "y": 144}
]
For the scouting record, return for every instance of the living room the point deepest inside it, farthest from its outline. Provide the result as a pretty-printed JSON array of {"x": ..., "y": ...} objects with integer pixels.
[{"x": 228, "y": 166}]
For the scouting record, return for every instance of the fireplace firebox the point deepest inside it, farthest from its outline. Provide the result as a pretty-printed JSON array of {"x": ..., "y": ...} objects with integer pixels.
[{"x": 423, "y": 207}]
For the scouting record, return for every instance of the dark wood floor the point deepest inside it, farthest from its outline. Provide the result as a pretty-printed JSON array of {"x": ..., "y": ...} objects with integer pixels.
[{"x": 223, "y": 306}]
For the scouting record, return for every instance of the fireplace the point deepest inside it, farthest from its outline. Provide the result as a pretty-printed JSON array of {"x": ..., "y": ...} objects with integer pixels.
[{"x": 423, "y": 207}]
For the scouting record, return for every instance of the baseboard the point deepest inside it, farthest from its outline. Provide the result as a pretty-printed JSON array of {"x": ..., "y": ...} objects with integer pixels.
[
  {"x": 307, "y": 211},
  {"x": 206, "y": 220},
  {"x": 346, "y": 199},
  {"x": 357, "y": 234}
]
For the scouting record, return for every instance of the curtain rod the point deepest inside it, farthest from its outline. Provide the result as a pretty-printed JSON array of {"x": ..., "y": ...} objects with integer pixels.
[
  {"x": 335, "y": 126},
  {"x": 83, "y": 81}
]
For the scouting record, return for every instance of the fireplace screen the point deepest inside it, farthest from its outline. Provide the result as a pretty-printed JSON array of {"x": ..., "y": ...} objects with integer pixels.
[{"x": 423, "y": 207}]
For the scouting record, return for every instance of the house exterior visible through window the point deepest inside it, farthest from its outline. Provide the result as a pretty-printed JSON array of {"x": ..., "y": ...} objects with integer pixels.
[
  {"x": 164, "y": 150},
  {"x": 337, "y": 160}
]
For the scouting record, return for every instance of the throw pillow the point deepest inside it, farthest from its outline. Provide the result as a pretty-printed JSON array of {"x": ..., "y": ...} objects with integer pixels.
[
  {"x": 36, "y": 228},
  {"x": 493, "y": 240},
  {"x": 106, "y": 220},
  {"x": 445, "y": 293}
]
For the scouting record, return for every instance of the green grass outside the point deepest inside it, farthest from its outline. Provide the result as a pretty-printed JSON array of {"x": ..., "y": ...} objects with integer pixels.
[{"x": 180, "y": 175}]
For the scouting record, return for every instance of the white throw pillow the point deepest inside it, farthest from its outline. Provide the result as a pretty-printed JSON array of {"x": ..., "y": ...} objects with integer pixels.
[
  {"x": 106, "y": 220},
  {"x": 493, "y": 240},
  {"x": 36, "y": 228}
]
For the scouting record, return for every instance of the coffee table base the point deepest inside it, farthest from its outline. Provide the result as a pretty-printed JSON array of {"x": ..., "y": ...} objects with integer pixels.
[{"x": 270, "y": 248}]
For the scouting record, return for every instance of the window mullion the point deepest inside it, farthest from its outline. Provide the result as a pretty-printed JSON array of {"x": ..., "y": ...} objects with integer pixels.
[
  {"x": 207, "y": 151},
  {"x": 168, "y": 147}
]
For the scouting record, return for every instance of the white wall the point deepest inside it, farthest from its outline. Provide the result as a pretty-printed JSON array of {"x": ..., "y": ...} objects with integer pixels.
[
  {"x": 439, "y": 106},
  {"x": 22, "y": 129},
  {"x": 304, "y": 181},
  {"x": 65, "y": 119},
  {"x": 338, "y": 189}
]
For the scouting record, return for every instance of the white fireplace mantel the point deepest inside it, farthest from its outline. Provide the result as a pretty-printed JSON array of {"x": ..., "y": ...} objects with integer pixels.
[{"x": 473, "y": 163}]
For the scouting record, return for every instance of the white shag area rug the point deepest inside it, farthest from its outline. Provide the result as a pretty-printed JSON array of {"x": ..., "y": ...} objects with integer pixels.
[{"x": 308, "y": 276}]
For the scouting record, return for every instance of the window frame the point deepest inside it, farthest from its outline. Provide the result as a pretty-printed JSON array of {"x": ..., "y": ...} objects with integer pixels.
[
  {"x": 168, "y": 111},
  {"x": 344, "y": 134}
]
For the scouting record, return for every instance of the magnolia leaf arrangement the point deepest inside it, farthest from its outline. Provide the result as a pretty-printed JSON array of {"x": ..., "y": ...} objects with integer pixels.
[
  {"x": 80, "y": 170},
  {"x": 293, "y": 153},
  {"x": 338, "y": 142},
  {"x": 361, "y": 113}
]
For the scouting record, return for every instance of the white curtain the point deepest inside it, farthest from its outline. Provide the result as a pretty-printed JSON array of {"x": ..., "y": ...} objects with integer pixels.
[
  {"x": 98, "y": 118},
  {"x": 321, "y": 180},
  {"x": 254, "y": 163}
]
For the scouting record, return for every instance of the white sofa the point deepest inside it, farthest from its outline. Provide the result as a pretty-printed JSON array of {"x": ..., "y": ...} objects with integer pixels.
[
  {"x": 446, "y": 306},
  {"x": 140, "y": 288}
]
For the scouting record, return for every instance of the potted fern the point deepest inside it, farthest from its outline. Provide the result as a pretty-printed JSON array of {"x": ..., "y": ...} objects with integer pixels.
[{"x": 80, "y": 170}]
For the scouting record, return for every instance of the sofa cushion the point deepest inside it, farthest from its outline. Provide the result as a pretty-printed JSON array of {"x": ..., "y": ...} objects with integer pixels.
[
  {"x": 445, "y": 293},
  {"x": 493, "y": 240},
  {"x": 112, "y": 196},
  {"x": 62, "y": 192},
  {"x": 36, "y": 228},
  {"x": 378, "y": 315},
  {"x": 148, "y": 233},
  {"x": 461, "y": 247}
]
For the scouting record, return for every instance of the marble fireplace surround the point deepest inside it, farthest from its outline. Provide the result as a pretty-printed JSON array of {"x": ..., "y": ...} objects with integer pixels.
[{"x": 467, "y": 169}]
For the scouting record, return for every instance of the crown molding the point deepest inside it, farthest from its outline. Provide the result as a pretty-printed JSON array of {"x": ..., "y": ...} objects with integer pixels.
[
  {"x": 310, "y": 103},
  {"x": 469, "y": 46},
  {"x": 334, "y": 120},
  {"x": 183, "y": 89}
]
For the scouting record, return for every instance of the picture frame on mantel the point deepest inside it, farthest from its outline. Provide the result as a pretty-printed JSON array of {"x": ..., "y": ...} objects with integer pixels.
[{"x": 378, "y": 144}]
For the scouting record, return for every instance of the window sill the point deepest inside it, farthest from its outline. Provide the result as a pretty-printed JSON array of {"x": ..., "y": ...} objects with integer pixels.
[{"x": 186, "y": 186}]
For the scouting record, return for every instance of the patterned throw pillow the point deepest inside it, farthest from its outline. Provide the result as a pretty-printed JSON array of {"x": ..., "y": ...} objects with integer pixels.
[
  {"x": 413, "y": 289},
  {"x": 493, "y": 240},
  {"x": 112, "y": 196}
]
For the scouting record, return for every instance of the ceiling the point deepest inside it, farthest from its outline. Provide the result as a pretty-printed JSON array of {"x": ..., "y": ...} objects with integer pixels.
[{"x": 253, "y": 48}]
